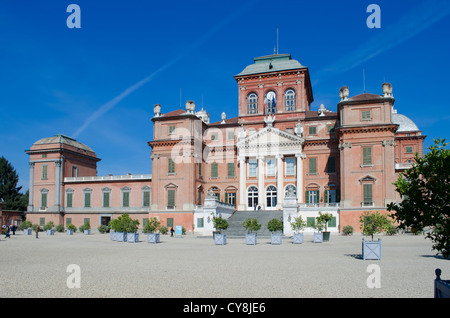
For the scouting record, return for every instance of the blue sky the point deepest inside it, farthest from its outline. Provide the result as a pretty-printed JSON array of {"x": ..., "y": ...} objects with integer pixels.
[{"x": 99, "y": 83}]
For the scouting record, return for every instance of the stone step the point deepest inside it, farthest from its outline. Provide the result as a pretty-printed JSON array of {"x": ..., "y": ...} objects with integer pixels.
[{"x": 235, "y": 228}]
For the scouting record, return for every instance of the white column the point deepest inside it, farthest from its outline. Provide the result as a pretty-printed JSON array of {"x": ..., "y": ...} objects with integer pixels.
[
  {"x": 242, "y": 184},
  {"x": 57, "y": 184},
  {"x": 30, "y": 188},
  {"x": 300, "y": 190},
  {"x": 280, "y": 192},
  {"x": 261, "y": 182}
]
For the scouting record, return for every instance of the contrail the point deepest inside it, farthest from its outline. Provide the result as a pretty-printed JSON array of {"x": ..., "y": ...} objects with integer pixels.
[
  {"x": 113, "y": 102},
  {"x": 417, "y": 20}
]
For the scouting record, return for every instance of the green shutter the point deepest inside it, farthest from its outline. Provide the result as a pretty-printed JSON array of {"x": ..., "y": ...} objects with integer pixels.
[
  {"x": 146, "y": 199},
  {"x": 69, "y": 200},
  {"x": 306, "y": 196},
  {"x": 317, "y": 196},
  {"x": 171, "y": 166},
  {"x": 331, "y": 167},
  {"x": 199, "y": 169},
  {"x": 170, "y": 220},
  {"x": 106, "y": 199},
  {"x": 171, "y": 198},
  {"x": 87, "y": 220},
  {"x": 367, "y": 156},
  {"x": 43, "y": 200},
  {"x": 126, "y": 199},
  {"x": 325, "y": 196},
  {"x": 310, "y": 221},
  {"x": 41, "y": 221},
  {"x": 87, "y": 199},
  {"x": 226, "y": 197},
  {"x": 312, "y": 165},
  {"x": 231, "y": 169},
  {"x": 367, "y": 188},
  {"x": 214, "y": 170},
  {"x": 68, "y": 221},
  {"x": 332, "y": 222}
]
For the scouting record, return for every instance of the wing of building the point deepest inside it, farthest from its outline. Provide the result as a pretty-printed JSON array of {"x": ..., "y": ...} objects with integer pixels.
[{"x": 343, "y": 162}]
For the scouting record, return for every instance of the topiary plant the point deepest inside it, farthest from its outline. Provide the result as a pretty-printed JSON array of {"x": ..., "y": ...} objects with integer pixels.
[
  {"x": 374, "y": 223},
  {"x": 251, "y": 224},
  {"x": 275, "y": 225},
  {"x": 49, "y": 226},
  {"x": 152, "y": 225},
  {"x": 347, "y": 230},
  {"x": 71, "y": 227},
  {"x": 220, "y": 223},
  {"x": 298, "y": 224}
]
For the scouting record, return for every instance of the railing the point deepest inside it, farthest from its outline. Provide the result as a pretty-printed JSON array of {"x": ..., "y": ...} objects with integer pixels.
[
  {"x": 320, "y": 205},
  {"x": 110, "y": 178}
]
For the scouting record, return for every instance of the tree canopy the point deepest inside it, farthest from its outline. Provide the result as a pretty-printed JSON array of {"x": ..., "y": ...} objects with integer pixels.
[
  {"x": 9, "y": 191},
  {"x": 425, "y": 189}
]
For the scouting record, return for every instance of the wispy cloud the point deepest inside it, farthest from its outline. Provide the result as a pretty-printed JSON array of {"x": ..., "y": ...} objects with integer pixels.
[
  {"x": 415, "y": 21},
  {"x": 113, "y": 102}
]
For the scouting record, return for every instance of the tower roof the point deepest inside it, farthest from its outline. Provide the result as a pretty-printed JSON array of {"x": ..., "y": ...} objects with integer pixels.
[
  {"x": 62, "y": 139},
  {"x": 271, "y": 63}
]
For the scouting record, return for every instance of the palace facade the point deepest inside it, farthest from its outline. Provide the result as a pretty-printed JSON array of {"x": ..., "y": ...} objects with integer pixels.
[{"x": 342, "y": 162}]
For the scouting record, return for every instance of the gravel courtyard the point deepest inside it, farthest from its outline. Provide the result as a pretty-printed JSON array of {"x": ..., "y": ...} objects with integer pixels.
[{"x": 191, "y": 266}]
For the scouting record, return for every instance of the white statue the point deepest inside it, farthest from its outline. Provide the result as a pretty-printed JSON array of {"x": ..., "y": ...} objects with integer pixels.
[{"x": 299, "y": 129}]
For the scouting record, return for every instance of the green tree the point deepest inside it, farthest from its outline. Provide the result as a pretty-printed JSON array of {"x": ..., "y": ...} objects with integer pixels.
[
  {"x": 425, "y": 189},
  {"x": 9, "y": 191}
]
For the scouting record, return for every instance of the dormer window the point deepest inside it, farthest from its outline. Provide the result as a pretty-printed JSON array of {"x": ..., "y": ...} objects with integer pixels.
[{"x": 289, "y": 100}]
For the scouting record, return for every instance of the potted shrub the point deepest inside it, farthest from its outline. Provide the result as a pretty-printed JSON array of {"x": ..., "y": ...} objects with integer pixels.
[
  {"x": 347, "y": 230},
  {"x": 71, "y": 229},
  {"x": 150, "y": 229},
  {"x": 130, "y": 228},
  {"x": 49, "y": 228},
  {"x": 275, "y": 225},
  {"x": 251, "y": 225},
  {"x": 220, "y": 224},
  {"x": 85, "y": 228},
  {"x": 371, "y": 224},
  {"x": 119, "y": 233},
  {"x": 59, "y": 228},
  {"x": 26, "y": 226},
  {"x": 102, "y": 229},
  {"x": 324, "y": 219},
  {"x": 319, "y": 226},
  {"x": 298, "y": 225}
]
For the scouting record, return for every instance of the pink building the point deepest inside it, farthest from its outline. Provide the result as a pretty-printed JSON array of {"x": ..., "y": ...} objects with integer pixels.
[{"x": 343, "y": 162}]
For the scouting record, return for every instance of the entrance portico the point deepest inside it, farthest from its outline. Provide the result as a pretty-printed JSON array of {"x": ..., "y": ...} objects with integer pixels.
[{"x": 268, "y": 159}]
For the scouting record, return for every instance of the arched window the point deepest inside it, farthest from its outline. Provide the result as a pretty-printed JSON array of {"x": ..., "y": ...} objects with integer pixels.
[
  {"x": 289, "y": 100},
  {"x": 270, "y": 103},
  {"x": 252, "y": 196},
  {"x": 271, "y": 196},
  {"x": 252, "y": 103}
]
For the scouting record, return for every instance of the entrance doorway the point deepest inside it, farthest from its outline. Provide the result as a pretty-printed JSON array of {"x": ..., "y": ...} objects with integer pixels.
[{"x": 104, "y": 220}]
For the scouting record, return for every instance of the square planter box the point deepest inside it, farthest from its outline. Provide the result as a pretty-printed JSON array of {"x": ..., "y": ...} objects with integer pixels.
[
  {"x": 326, "y": 236},
  {"x": 132, "y": 237},
  {"x": 220, "y": 239},
  {"x": 87, "y": 232},
  {"x": 69, "y": 232},
  {"x": 318, "y": 237},
  {"x": 153, "y": 237},
  {"x": 371, "y": 249},
  {"x": 275, "y": 238},
  {"x": 50, "y": 232},
  {"x": 298, "y": 238},
  {"x": 120, "y": 236},
  {"x": 250, "y": 239},
  {"x": 27, "y": 231}
]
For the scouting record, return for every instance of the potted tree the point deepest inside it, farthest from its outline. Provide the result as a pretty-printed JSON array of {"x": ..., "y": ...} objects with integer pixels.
[
  {"x": 325, "y": 218},
  {"x": 298, "y": 225},
  {"x": 371, "y": 224},
  {"x": 150, "y": 228},
  {"x": 274, "y": 226},
  {"x": 26, "y": 226},
  {"x": 251, "y": 225},
  {"x": 131, "y": 228},
  {"x": 85, "y": 228},
  {"x": 118, "y": 226},
  {"x": 71, "y": 229},
  {"x": 49, "y": 228},
  {"x": 220, "y": 224}
]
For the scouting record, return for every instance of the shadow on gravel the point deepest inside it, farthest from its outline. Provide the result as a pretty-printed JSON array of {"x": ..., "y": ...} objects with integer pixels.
[{"x": 355, "y": 256}]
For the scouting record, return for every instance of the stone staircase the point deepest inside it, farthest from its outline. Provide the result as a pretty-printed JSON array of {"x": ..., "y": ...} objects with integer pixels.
[{"x": 235, "y": 228}]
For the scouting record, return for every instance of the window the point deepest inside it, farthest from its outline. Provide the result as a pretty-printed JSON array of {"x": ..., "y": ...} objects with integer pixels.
[
  {"x": 331, "y": 129},
  {"x": 290, "y": 166},
  {"x": 290, "y": 131},
  {"x": 252, "y": 166},
  {"x": 230, "y": 135},
  {"x": 106, "y": 199},
  {"x": 270, "y": 167},
  {"x": 171, "y": 166},
  {"x": 230, "y": 198},
  {"x": 87, "y": 220},
  {"x": 330, "y": 194},
  {"x": 312, "y": 130},
  {"x": 252, "y": 195},
  {"x": 312, "y": 165},
  {"x": 171, "y": 129},
  {"x": 200, "y": 222},
  {"x": 126, "y": 197},
  {"x": 69, "y": 199},
  {"x": 270, "y": 103},
  {"x": 271, "y": 196},
  {"x": 290, "y": 188},
  {"x": 169, "y": 222},
  {"x": 41, "y": 221},
  {"x": 252, "y": 103},
  {"x": 366, "y": 115},
  {"x": 44, "y": 175},
  {"x": 331, "y": 165},
  {"x": 367, "y": 156},
  {"x": 231, "y": 169},
  {"x": 68, "y": 221},
  {"x": 170, "y": 200},
  {"x": 312, "y": 197},
  {"x": 44, "y": 155},
  {"x": 214, "y": 170},
  {"x": 289, "y": 100},
  {"x": 367, "y": 194},
  {"x": 146, "y": 198},
  {"x": 87, "y": 198},
  {"x": 74, "y": 171},
  {"x": 409, "y": 149}
]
